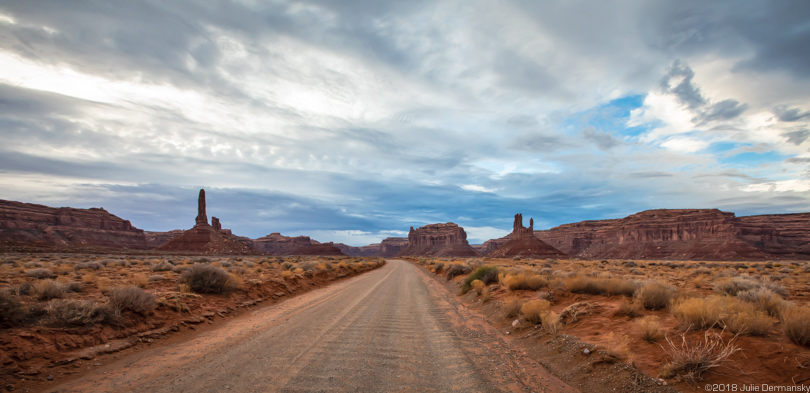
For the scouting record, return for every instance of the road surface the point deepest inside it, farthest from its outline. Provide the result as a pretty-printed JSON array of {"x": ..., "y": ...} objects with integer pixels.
[{"x": 393, "y": 329}]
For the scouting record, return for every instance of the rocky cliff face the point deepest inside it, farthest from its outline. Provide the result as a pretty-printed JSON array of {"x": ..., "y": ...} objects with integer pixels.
[
  {"x": 28, "y": 223},
  {"x": 365, "y": 251},
  {"x": 277, "y": 244},
  {"x": 523, "y": 243},
  {"x": 322, "y": 249},
  {"x": 157, "y": 239},
  {"x": 683, "y": 234},
  {"x": 391, "y": 246},
  {"x": 438, "y": 240}
]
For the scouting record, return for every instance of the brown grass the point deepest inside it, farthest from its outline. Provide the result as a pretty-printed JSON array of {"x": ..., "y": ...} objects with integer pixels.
[
  {"x": 49, "y": 289},
  {"x": 478, "y": 286},
  {"x": 76, "y": 312},
  {"x": 511, "y": 307},
  {"x": 524, "y": 281},
  {"x": 654, "y": 295},
  {"x": 11, "y": 310},
  {"x": 796, "y": 324},
  {"x": 600, "y": 286},
  {"x": 688, "y": 361},
  {"x": 629, "y": 309},
  {"x": 699, "y": 313},
  {"x": 533, "y": 310},
  {"x": 132, "y": 298},
  {"x": 649, "y": 328},
  {"x": 205, "y": 278},
  {"x": 551, "y": 322}
]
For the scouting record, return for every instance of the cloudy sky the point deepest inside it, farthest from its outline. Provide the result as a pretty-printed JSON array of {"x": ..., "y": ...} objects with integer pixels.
[{"x": 352, "y": 120}]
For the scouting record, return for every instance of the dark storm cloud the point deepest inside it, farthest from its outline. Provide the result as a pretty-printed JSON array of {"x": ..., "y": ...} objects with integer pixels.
[
  {"x": 798, "y": 160},
  {"x": 678, "y": 81},
  {"x": 723, "y": 110},
  {"x": 602, "y": 140},
  {"x": 790, "y": 115},
  {"x": 797, "y": 137}
]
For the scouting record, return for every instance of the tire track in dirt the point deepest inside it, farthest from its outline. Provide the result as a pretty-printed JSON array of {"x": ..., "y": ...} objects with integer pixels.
[{"x": 386, "y": 330}]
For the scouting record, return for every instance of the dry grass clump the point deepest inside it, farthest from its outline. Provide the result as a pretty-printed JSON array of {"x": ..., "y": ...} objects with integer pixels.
[
  {"x": 49, "y": 289},
  {"x": 650, "y": 328},
  {"x": 478, "y": 286},
  {"x": 748, "y": 320},
  {"x": 796, "y": 324},
  {"x": 11, "y": 310},
  {"x": 511, "y": 307},
  {"x": 456, "y": 270},
  {"x": 88, "y": 265},
  {"x": 164, "y": 266},
  {"x": 40, "y": 273},
  {"x": 699, "y": 313},
  {"x": 654, "y": 295},
  {"x": 139, "y": 279},
  {"x": 132, "y": 298},
  {"x": 524, "y": 281},
  {"x": 551, "y": 322},
  {"x": 76, "y": 312},
  {"x": 533, "y": 310},
  {"x": 689, "y": 361},
  {"x": 629, "y": 309},
  {"x": 764, "y": 299},
  {"x": 206, "y": 278},
  {"x": 735, "y": 285}
]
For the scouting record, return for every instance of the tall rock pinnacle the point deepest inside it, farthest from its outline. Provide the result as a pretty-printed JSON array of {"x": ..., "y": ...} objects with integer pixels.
[{"x": 202, "y": 218}]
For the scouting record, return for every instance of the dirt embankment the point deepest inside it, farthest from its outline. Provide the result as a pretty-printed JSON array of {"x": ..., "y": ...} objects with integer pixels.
[{"x": 35, "y": 354}]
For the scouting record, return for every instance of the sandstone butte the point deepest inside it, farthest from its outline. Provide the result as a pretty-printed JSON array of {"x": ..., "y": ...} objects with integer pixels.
[
  {"x": 370, "y": 250},
  {"x": 322, "y": 249},
  {"x": 697, "y": 234},
  {"x": 203, "y": 238},
  {"x": 278, "y": 244},
  {"x": 438, "y": 240},
  {"x": 522, "y": 243},
  {"x": 30, "y": 223}
]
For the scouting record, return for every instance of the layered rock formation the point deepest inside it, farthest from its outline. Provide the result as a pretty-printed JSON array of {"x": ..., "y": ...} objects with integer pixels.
[
  {"x": 784, "y": 235},
  {"x": 438, "y": 240},
  {"x": 523, "y": 243},
  {"x": 32, "y": 223},
  {"x": 322, "y": 249},
  {"x": 707, "y": 234},
  {"x": 391, "y": 246},
  {"x": 157, "y": 239},
  {"x": 365, "y": 251},
  {"x": 203, "y": 238},
  {"x": 278, "y": 244}
]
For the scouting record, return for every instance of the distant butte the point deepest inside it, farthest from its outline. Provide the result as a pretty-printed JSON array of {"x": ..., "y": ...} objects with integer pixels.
[
  {"x": 522, "y": 243},
  {"x": 438, "y": 240}
]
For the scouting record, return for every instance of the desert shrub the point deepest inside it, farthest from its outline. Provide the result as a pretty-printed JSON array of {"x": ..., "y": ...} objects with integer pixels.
[
  {"x": 113, "y": 262},
  {"x": 614, "y": 286},
  {"x": 49, "y": 289},
  {"x": 23, "y": 289},
  {"x": 40, "y": 273},
  {"x": 88, "y": 265},
  {"x": 525, "y": 281},
  {"x": 74, "y": 287},
  {"x": 139, "y": 279},
  {"x": 734, "y": 285},
  {"x": 629, "y": 309},
  {"x": 654, "y": 295},
  {"x": 11, "y": 310},
  {"x": 582, "y": 284},
  {"x": 796, "y": 324},
  {"x": 32, "y": 264},
  {"x": 76, "y": 312},
  {"x": 511, "y": 307},
  {"x": 479, "y": 286},
  {"x": 699, "y": 313},
  {"x": 764, "y": 299},
  {"x": 748, "y": 320},
  {"x": 164, "y": 266},
  {"x": 550, "y": 321},
  {"x": 486, "y": 274},
  {"x": 290, "y": 265},
  {"x": 703, "y": 270},
  {"x": 179, "y": 269},
  {"x": 132, "y": 298},
  {"x": 202, "y": 278},
  {"x": 156, "y": 278},
  {"x": 533, "y": 310},
  {"x": 225, "y": 263},
  {"x": 649, "y": 328},
  {"x": 688, "y": 361},
  {"x": 599, "y": 286},
  {"x": 456, "y": 270},
  {"x": 287, "y": 274}
]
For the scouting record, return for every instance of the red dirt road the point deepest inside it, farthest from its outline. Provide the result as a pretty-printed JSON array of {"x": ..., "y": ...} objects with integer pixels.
[{"x": 393, "y": 329}]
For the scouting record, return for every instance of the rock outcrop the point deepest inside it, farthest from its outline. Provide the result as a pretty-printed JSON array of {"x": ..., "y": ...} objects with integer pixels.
[
  {"x": 438, "y": 240},
  {"x": 322, "y": 249},
  {"x": 278, "y": 244},
  {"x": 203, "y": 238},
  {"x": 522, "y": 243},
  {"x": 701, "y": 234},
  {"x": 216, "y": 224},
  {"x": 783, "y": 235},
  {"x": 391, "y": 246},
  {"x": 364, "y": 251},
  {"x": 31, "y": 223},
  {"x": 157, "y": 239}
]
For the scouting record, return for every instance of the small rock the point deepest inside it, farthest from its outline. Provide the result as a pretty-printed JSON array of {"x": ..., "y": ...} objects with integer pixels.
[
  {"x": 587, "y": 351},
  {"x": 97, "y": 364},
  {"x": 10, "y": 387},
  {"x": 49, "y": 377},
  {"x": 515, "y": 322}
]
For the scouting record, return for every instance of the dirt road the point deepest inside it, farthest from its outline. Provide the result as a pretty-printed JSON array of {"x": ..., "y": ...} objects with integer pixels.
[{"x": 390, "y": 330}]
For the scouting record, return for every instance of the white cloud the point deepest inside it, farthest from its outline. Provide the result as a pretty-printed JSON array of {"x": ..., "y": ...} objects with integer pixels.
[{"x": 793, "y": 185}]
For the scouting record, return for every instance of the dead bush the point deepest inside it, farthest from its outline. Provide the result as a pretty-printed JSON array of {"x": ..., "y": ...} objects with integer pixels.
[
  {"x": 550, "y": 321},
  {"x": 40, "y": 273},
  {"x": 629, "y": 309},
  {"x": 76, "y": 312},
  {"x": 599, "y": 286},
  {"x": 654, "y": 295},
  {"x": 11, "y": 310},
  {"x": 49, "y": 289},
  {"x": 478, "y": 286},
  {"x": 699, "y": 313},
  {"x": 164, "y": 266},
  {"x": 131, "y": 298},
  {"x": 525, "y": 281},
  {"x": 650, "y": 328},
  {"x": 457, "y": 270},
  {"x": 511, "y": 307},
  {"x": 764, "y": 299},
  {"x": 204, "y": 278},
  {"x": 796, "y": 324},
  {"x": 533, "y": 310},
  {"x": 688, "y": 361},
  {"x": 88, "y": 265},
  {"x": 746, "y": 319}
]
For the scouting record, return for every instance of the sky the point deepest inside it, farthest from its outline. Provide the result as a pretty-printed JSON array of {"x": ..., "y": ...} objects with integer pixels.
[{"x": 351, "y": 121}]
